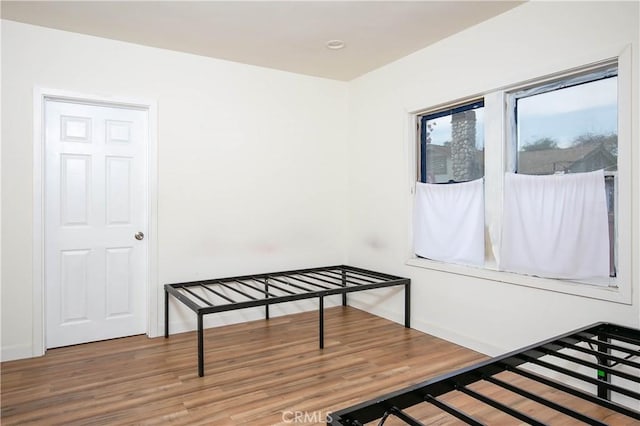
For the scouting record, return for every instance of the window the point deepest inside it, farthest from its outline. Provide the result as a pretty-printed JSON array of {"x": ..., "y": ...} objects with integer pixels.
[
  {"x": 452, "y": 144},
  {"x": 449, "y": 219},
  {"x": 568, "y": 126},
  {"x": 565, "y": 124}
]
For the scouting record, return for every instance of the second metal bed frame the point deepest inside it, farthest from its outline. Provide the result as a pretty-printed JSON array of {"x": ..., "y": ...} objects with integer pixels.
[
  {"x": 227, "y": 294},
  {"x": 597, "y": 348}
]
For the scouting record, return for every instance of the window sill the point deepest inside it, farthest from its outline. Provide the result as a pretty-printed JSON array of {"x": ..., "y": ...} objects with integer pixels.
[{"x": 575, "y": 288}]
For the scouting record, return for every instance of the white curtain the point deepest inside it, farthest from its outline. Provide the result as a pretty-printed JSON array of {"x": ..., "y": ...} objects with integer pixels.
[
  {"x": 449, "y": 222},
  {"x": 555, "y": 226}
]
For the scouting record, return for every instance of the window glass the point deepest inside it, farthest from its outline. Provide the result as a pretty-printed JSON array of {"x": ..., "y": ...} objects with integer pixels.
[
  {"x": 568, "y": 130},
  {"x": 452, "y": 144}
]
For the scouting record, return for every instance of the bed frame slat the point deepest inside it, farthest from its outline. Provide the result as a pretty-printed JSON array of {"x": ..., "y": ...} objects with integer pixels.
[
  {"x": 270, "y": 284},
  {"x": 217, "y": 294},
  {"x": 346, "y": 276},
  {"x": 259, "y": 290},
  {"x": 238, "y": 291},
  {"x": 544, "y": 401},
  {"x": 600, "y": 367},
  {"x": 499, "y": 406},
  {"x": 198, "y": 297},
  {"x": 614, "y": 347},
  {"x": 404, "y": 417},
  {"x": 291, "y": 284},
  {"x": 453, "y": 411},
  {"x": 293, "y": 277},
  {"x": 575, "y": 375},
  {"x": 578, "y": 393},
  {"x": 323, "y": 278},
  {"x": 567, "y": 343},
  {"x": 621, "y": 335}
]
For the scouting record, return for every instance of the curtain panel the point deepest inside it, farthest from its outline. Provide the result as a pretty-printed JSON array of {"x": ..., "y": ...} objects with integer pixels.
[
  {"x": 555, "y": 226},
  {"x": 449, "y": 222}
]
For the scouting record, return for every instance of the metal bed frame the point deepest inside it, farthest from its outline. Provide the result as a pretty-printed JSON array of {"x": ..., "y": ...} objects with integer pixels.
[
  {"x": 227, "y": 294},
  {"x": 604, "y": 345}
]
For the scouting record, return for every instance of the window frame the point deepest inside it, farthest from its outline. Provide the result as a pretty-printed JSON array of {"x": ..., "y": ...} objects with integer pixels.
[
  {"x": 499, "y": 158},
  {"x": 432, "y": 115}
]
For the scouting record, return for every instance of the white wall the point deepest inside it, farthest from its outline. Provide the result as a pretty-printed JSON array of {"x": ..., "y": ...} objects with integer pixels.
[
  {"x": 252, "y": 162},
  {"x": 533, "y": 40}
]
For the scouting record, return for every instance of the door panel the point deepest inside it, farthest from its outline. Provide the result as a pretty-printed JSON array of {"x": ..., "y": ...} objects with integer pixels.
[
  {"x": 118, "y": 203},
  {"x": 75, "y": 189},
  {"x": 119, "y": 285},
  {"x": 74, "y": 265},
  {"x": 95, "y": 202}
]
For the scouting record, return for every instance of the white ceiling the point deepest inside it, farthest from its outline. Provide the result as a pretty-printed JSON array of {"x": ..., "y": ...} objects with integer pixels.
[{"x": 285, "y": 35}]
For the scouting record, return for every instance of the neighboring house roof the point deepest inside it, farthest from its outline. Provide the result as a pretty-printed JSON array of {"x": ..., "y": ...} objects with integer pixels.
[{"x": 575, "y": 159}]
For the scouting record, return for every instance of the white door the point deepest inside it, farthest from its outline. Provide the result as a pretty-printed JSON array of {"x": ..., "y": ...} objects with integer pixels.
[{"x": 95, "y": 222}]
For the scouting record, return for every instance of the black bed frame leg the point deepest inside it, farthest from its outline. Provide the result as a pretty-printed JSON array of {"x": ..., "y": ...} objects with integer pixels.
[
  {"x": 344, "y": 284},
  {"x": 603, "y": 391},
  {"x": 266, "y": 307},
  {"x": 321, "y": 310},
  {"x": 407, "y": 305},
  {"x": 200, "y": 347},
  {"x": 166, "y": 314}
]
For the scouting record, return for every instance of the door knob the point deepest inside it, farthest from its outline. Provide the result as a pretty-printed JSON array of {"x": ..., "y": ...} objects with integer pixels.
[{"x": 139, "y": 235}]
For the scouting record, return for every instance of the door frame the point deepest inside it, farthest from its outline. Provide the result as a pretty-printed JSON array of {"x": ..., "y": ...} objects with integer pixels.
[{"x": 40, "y": 96}]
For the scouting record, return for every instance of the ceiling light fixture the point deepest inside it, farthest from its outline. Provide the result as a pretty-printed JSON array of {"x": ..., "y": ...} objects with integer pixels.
[{"x": 335, "y": 44}]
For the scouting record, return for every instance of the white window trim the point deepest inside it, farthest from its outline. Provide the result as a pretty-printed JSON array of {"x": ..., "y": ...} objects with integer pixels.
[{"x": 498, "y": 160}]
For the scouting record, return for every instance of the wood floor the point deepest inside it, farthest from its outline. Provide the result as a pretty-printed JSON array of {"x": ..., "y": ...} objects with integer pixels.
[{"x": 256, "y": 373}]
